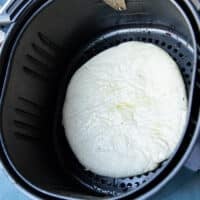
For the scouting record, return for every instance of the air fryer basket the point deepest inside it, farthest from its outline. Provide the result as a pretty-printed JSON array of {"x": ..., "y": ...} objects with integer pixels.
[
  {"x": 50, "y": 47},
  {"x": 177, "y": 48}
]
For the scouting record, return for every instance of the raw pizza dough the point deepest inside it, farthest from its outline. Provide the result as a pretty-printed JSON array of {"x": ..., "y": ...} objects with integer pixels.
[{"x": 125, "y": 110}]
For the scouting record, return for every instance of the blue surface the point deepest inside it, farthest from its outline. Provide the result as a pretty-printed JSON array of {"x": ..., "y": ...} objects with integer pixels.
[
  {"x": 8, "y": 191},
  {"x": 185, "y": 186}
]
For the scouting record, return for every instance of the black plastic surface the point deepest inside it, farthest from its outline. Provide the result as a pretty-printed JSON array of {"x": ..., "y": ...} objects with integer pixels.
[{"x": 52, "y": 40}]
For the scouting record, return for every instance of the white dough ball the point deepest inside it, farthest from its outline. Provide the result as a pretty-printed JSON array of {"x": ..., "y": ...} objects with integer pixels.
[{"x": 125, "y": 110}]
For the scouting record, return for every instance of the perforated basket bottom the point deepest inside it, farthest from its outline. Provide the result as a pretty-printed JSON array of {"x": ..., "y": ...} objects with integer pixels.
[{"x": 181, "y": 52}]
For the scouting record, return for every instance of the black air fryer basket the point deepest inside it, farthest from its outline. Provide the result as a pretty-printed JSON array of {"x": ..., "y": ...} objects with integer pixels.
[{"x": 47, "y": 41}]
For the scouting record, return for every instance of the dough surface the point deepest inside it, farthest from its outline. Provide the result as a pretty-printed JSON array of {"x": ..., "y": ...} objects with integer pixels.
[{"x": 125, "y": 110}]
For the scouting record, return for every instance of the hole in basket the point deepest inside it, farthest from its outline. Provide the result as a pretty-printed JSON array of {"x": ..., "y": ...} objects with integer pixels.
[
  {"x": 117, "y": 42},
  {"x": 130, "y": 39},
  {"x": 131, "y": 178},
  {"x": 137, "y": 184},
  {"x": 183, "y": 70},
  {"x": 129, "y": 185},
  {"x": 144, "y": 39},
  {"x": 180, "y": 55},
  {"x": 175, "y": 50},
  {"x": 163, "y": 44},
  {"x": 169, "y": 46},
  {"x": 122, "y": 185},
  {"x": 125, "y": 40},
  {"x": 144, "y": 181},
  {"x": 187, "y": 75},
  {"x": 156, "y": 41},
  {"x": 150, "y": 40},
  {"x": 189, "y": 64},
  {"x": 146, "y": 174}
]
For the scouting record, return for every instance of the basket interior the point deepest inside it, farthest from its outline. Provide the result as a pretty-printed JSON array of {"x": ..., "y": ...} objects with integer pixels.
[{"x": 47, "y": 51}]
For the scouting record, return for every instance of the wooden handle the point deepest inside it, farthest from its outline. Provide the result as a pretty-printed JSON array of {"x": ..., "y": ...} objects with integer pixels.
[{"x": 116, "y": 4}]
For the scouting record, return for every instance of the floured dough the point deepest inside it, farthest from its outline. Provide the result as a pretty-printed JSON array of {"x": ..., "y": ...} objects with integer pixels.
[{"x": 125, "y": 110}]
